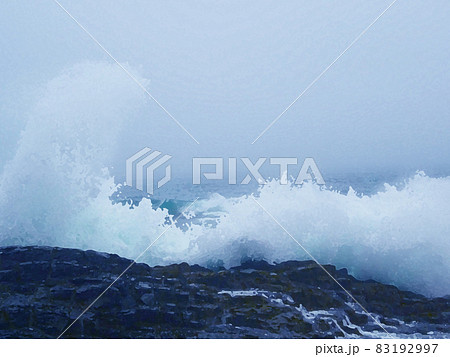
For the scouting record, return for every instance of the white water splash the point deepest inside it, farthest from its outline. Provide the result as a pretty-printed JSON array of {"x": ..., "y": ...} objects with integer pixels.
[{"x": 56, "y": 190}]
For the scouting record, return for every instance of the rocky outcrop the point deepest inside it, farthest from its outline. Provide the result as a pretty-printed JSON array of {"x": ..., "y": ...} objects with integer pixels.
[{"x": 44, "y": 289}]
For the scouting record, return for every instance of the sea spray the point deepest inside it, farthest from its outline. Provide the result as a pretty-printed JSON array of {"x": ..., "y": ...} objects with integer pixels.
[{"x": 57, "y": 191}]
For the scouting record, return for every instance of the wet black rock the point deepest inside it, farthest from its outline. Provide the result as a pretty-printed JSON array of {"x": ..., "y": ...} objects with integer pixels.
[{"x": 43, "y": 290}]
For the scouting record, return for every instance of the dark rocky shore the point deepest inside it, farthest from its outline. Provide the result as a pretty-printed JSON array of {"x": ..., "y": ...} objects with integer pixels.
[{"x": 42, "y": 290}]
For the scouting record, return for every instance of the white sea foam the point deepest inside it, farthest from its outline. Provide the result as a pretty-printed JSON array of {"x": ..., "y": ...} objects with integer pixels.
[
  {"x": 398, "y": 236},
  {"x": 56, "y": 191}
]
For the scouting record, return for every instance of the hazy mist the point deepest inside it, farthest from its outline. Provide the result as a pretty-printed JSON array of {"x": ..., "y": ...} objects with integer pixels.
[{"x": 226, "y": 69}]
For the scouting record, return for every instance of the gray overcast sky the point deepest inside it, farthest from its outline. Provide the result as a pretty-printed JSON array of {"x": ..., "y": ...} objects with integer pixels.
[{"x": 226, "y": 69}]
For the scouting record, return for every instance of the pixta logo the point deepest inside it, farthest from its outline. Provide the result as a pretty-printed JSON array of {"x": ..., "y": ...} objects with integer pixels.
[
  {"x": 308, "y": 171},
  {"x": 142, "y": 166}
]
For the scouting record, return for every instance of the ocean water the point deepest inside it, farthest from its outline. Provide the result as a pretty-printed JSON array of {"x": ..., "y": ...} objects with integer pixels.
[
  {"x": 392, "y": 229},
  {"x": 398, "y": 235}
]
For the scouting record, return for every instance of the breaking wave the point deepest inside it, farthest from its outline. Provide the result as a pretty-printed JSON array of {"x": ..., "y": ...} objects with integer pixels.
[{"x": 57, "y": 191}]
